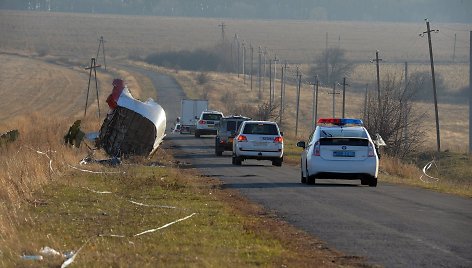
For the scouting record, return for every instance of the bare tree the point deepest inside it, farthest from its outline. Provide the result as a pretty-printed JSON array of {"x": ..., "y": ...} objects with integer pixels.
[
  {"x": 265, "y": 111},
  {"x": 262, "y": 111},
  {"x": 399, "y": 122},
  {"x": 332, "y": 65}
]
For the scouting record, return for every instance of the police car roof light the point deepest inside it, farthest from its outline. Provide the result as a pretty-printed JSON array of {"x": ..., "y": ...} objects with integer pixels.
[{"x": 341, "y": 121}]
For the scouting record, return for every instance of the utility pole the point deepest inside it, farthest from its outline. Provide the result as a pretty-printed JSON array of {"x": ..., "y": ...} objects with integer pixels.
[
  {"x": 244, "y": 62},
  {"x": 334, "y": 99},
  {"x": 281, "y": 95},
  {"x": 377, "y": 60},
  {"x": 454, "y": 50},
  {"x": 334, "y": 93},
  {"x": 344, "y": 96},
  {"x": 265, "y": 67},
  {"x": 406, "y": 106},
  {"x": 284, "y": 82},
  {"x": 299, "y": 78},
  {"x": 231, "y": 57},
  {"x": 239, "y": 49},
  {"x": 102, "y": 45},
  {"x": 223, "y": 26},
  {"x": 379, "y": 105},
  {"x": 327, "y": 59},
  {"x": 313, "y": 102},
  {"x": 366, "y": 97},
  {"x": 259, "y": 73},
  {"x": 252, "y": 61},
  {"x": 275, "y": 77},
  {"x": 316, "y": 103},
  {"x": 470, "y": 94},
  {"x": 428, "y": 31},
  {"x": 270, "y": 83},
  {"x": 93, "y": 66}
]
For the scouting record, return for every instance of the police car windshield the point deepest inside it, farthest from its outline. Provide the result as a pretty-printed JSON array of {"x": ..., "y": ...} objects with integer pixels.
[{"x": 342, "y": 132}]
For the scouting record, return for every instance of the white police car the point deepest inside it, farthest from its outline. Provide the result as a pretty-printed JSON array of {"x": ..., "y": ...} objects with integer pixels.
[
  {"x": 339, "y": 149},
  {"x": 261, "y": 140}
]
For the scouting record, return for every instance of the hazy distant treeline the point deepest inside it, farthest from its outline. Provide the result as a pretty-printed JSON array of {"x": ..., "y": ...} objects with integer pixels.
[{"x": 363, "y": 10}]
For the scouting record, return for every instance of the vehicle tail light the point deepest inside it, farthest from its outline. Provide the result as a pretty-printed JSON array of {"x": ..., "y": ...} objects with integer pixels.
[
  {"x": 316, "y": 149},
  {"x": 222, "y": 142},
  {"x": 202, "y": 122},
  {"x": 242, "y": 138},
  {"x": 371, "y": 150},
  {"x": 278, "y": 139}
]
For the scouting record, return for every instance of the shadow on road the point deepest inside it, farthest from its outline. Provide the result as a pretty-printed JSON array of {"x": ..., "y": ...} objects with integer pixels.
[
  {"x": 282, "y": 185},
  {"x": 262, "y": 185}
]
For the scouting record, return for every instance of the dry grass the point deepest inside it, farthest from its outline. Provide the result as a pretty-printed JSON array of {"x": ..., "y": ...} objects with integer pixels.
[
  {"x": 36, "y": 159},
  {"x": 452, "y": 175},
  {"x": 454, "y": 75}
]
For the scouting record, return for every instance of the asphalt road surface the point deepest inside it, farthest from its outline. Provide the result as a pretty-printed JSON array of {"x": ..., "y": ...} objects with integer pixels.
[{"x": 391, "y": 225}]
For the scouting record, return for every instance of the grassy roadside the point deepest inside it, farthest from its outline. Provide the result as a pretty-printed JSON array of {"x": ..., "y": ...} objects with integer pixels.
[{"x": 94, "y": 212}]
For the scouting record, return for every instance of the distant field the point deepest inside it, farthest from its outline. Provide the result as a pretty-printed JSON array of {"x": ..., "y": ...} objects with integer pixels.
[
  {"x": 75, "y": 36},
  {"x": 29, "y": 85}
]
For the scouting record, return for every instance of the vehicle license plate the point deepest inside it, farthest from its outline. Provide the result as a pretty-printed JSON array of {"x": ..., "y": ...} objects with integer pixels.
[
  {"x": 260, "y": 143},
  {"x": 210, "y": 122},
  {"x": 344, "y": 154}
]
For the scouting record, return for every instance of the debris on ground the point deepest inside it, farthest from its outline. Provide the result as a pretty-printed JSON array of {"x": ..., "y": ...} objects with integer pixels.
[
  {"x": 9, "y": 137},
  {"x": 113, "y": 161},
  {"x": 131, "y": 127},
  {"x": 74, "y": 136}
]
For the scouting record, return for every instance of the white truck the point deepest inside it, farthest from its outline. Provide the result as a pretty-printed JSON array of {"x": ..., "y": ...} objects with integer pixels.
[{"x": 190, "y": 110}]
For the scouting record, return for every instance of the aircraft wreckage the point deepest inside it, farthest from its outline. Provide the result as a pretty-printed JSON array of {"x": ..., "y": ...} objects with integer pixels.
[{"x": 131, "y": 127}]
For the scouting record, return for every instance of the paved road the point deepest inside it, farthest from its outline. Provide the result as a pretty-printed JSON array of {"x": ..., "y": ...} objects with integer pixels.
[{"x": 391, "y": 225}]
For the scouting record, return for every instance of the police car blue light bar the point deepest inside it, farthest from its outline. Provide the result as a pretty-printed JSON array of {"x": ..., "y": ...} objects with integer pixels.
[{"x": 340, "y": 121}]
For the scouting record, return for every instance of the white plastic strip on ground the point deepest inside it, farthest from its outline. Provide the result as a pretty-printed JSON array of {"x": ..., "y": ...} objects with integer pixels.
[
  {"x": 131, "y": 201},
  {"x": 97, "y": 192},
  {"x": 43, "y": 153},
  {"x": 166, "y": 225},
  {"x": 426, "y": 168},
  {"x": 111, "y": 235},
  {"x": 71, "y": 259},
  {"x": 95, "y": 172},
  {"x": 146, "y": 205}
]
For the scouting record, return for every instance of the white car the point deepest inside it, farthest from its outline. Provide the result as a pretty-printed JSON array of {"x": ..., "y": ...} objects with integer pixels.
[
  {"x": 207, "y": 123},
  {"x": 339, "y": 149},
  {"x": 261, "y": 140}
]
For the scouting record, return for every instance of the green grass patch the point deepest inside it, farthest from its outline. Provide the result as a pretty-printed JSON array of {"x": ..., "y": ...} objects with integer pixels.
[
  {"x": 292, "y": 153},
  {"x": 72, "y": 215}
]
